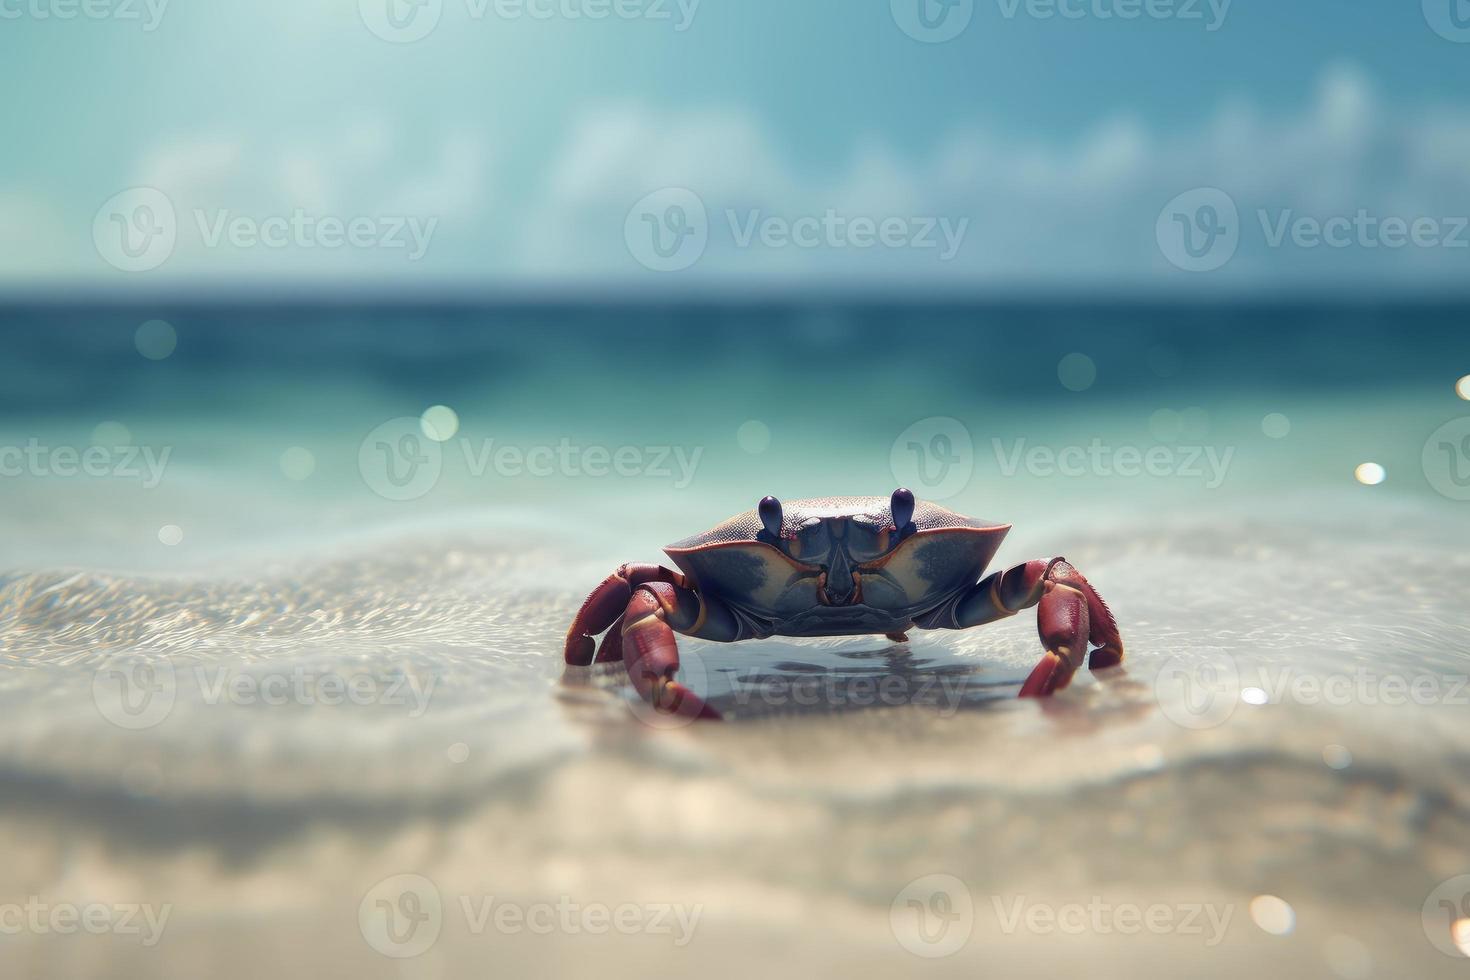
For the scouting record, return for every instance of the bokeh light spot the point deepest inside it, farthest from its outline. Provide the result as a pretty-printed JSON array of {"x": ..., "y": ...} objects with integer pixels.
[
  {"x": 1337, "y": 756},
  {"x": 1253, "y": 695},
  {"x": 1370, "y": 474},
  {"x": 297, "y": 463},
  {"x": 1076, "y": 372},
  {"x": 458, "y": 752},
  {"x": 1460, "y": 935},
  {"x": 111, "y": 435},
  {"x": 170, "y": 534},
  {"x": 1273, "y": 915},
  {"x": 439, "y": 423},
  {"x": 754, "y": 437},
  {"x": 1462, "y": 387},
  {"x": 1165, "y": 425},
  {"x": 156, "y": 339},
  {"x": 1276, "y": 426}
]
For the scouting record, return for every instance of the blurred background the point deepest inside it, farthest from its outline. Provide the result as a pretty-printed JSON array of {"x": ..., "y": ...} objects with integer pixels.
[{"x": 347, "y": 345}]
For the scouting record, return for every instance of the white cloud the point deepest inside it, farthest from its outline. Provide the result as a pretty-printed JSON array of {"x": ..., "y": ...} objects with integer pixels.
[
  {"x": 359, "y": 167},
  {"x": 1076, "y": 212},
  {"x": 30, "y": 239},
  {"x": 1080, "y": 212}
]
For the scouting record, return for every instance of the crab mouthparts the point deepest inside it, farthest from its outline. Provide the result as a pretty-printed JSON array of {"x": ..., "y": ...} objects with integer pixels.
[{"x": 837, "y": 586}]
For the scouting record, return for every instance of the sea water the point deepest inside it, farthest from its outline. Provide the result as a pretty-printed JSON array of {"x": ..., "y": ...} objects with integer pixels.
[{"x": 283, "y": 675}]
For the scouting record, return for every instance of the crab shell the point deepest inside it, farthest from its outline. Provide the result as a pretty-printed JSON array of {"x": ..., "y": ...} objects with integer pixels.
[{"x": 839, "y": 566}]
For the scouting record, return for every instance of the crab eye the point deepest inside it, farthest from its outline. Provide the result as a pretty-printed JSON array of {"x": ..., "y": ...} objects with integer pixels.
[
  {"x": 771, "y": 517},
  {"x": 902, "y": 507}
]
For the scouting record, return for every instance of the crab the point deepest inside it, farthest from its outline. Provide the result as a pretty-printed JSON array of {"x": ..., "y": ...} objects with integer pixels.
[{"x": 835, "y": 566}]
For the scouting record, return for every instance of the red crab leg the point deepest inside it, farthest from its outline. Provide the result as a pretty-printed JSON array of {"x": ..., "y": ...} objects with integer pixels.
[
  {"x": 653, "y": 651},
  {"x": 1071, "y": 614},
  {"x": 1061, "y": 619},
  {"x": 1102, "y": 627},
  {"x": 604, "y": 608}
]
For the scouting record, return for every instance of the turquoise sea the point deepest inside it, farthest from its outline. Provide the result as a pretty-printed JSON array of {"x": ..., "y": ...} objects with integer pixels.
[{"x": 284, "y": 587}]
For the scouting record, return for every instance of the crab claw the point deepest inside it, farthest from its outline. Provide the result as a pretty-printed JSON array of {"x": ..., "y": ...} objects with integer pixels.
[
  {"x": 1041, "y": 682},
  {"x": 603, "y": 612},
  {"x": 1102, "y": 628},
  {"x": 673, "y": 698},
  {"x": 651, "y": 654},
  {"x": 1062, "y": 621}
]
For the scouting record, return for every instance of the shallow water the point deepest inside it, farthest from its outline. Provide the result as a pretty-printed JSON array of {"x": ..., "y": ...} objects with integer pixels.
[{"x": 318, "y": 690}]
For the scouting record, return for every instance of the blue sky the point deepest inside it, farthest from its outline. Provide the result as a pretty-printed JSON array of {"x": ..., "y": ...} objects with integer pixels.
[{"x": 512, "y": 144}]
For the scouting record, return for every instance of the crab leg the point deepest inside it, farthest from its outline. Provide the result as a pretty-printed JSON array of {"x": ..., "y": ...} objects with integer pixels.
[
  {"x": 1062, "y": 621},
  {"x": 603, "y": 610},
  {"x": 652, "y": 651},
  {"x": 1070, "y": 614}
]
